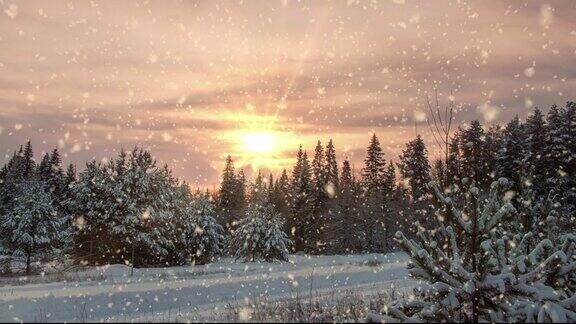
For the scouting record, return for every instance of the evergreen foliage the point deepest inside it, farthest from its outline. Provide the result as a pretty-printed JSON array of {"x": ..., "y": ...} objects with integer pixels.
[
  {"x": 260, "y": 236},
  {"x": 132, "y": 211},
  {"x": 204, "y": 237},
  {"x": 232, "y": 195},
  {"x": 476, "y": 271},
  {"x": 374, "y": 200},
  {"x": 303, "y": 224},
  {"x": 414, "y": 166},
  {"x": 31, "y": 226},
  {"x": 511, "y": 156}
]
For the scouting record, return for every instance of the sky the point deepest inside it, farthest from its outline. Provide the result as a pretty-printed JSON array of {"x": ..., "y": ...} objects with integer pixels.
[{"x": 194, "y": 81}]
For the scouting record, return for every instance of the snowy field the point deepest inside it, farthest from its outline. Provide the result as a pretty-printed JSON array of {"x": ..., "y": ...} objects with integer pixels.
[{"x": 195, "y": 293}]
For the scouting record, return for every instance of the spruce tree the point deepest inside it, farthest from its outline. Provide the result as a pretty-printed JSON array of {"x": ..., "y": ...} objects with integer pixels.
[
  {"x": 258, "y": 188},
  {"x": 351, "y": 231},
  {"x": 510, "y": 158},
  {"x": 31, "y": 224},
  {"x": 319, "y": 195},
  {"x": 20, "y": 168},
  {"x": 90, "y": 205},
  {"x": 228, "y": 195},
  {"x": 260, "y": 236},
  {"x": 240, "y": 201},
  {"x": 414, "y": 166},
  {"x": 281, "y": 196},
  {"x": 28, "y": 164},
  {"x": 374, "y": 200},
  {"x": 493, "y": 142},
  {"x": 44, "y": 167},
  {"x": 331, "y": 166},
  {"x": 473, "y": 152},
  {"x": 556, "y": 151},
  {"x": 332, "y": 217},
  {"x": 303, "y": 225},
  {"x": 64, "y": 210},
  {"x": 374, "y": 167},
  {"x": 50, "y": 171},
  {"x": 203, "y": 236},
  {"x": 141, "y": 219},
  {"x": 535, "y": 142},
  {"x": 70, "y": 176},
  {"x": 56, "y": 174}
]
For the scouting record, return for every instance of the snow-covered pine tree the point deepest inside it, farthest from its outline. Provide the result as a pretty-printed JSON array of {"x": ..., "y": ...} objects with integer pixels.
[
  {"x": 349, "y": 235},
  {"x": 331, "y": 214},
  {"x": 281, "y": 195},
  {"x": 248, "y": 238},
  {"x": 511, "y": 156},
  {"x": 258, "y": 188},
  {"x": 28, "y": 165},
  {"x": 69, "y": 229},
  {"x": 535, "y": 142},
  {"x": 241, "y": 199},
  {"x": 374, "y": 166},
  {"x": 555, "y": 151},
  {"x": 8, "y": 183},
  {"x": 473, "y": 154},
  {"x": 203, "y": 236},
  {"x": 142, "y": 222},
  {"x": 43, "y": 169},
  {"x": 493, "y": 142},
  {"x": 477, "y": 272},
  {"x": 32, "y": 223},
  {"x": 228, "y": 195},
  {"x": 276, "y": 243},
  {"x": 21, "y": 167},
  {"x": 415, "y": 170},
  {"x": 90, "y": 204},
  {"x": 259, "y": 236},
  {"x": 331, "y": 167},
  {"x": 320, "y": 197},
  {"x": 374, "y": 198},
  {"x": 302, "y": 223},
  {"x": 130, "y": 202},
  {"x": 50, "y": 172},
  {"x": 414, "y": 166}
]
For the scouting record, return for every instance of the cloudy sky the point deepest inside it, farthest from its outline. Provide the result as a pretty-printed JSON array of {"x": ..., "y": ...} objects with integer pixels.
[{"x": 194, "y": 81}]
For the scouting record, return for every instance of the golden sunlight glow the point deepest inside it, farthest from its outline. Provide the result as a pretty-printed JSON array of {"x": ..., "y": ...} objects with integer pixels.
[{"x": 258, "y": 142}]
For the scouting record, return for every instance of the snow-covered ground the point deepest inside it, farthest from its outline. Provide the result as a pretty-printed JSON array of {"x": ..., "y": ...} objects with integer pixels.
[{"x": 109, "y": 293}]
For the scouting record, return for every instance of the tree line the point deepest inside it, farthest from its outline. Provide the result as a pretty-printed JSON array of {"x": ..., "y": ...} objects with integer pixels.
[
  {"x": 329, "y": 209},
  {"x": 130, "y": 210}
]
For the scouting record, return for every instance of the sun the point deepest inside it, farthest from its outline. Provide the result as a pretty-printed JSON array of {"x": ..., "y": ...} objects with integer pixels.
[
  {"x": 259, "y": 148},
  {"x": 258, "y": 142}
]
